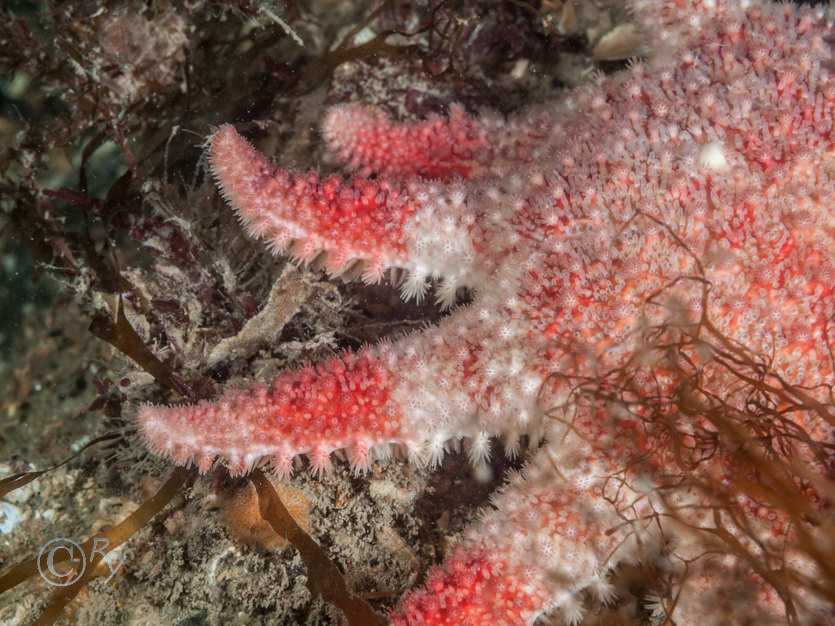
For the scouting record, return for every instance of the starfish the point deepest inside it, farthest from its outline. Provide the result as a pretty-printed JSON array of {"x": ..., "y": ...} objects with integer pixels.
[{"x": 685, "y": 201}]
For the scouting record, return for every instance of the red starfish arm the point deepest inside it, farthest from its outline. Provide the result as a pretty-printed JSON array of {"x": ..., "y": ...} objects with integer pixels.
[
  {"x": 344, "y": 402},
  {"x": 544, "y": 544},
  {"x": 373, "y": 221},
  {"x": 417, "y": 393},
  {"x": 360, "y": 219},
  {"x": 435, "y": 148}
]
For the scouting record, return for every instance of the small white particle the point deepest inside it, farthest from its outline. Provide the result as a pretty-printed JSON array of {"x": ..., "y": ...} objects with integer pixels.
[{"x": 712, "y": 157}]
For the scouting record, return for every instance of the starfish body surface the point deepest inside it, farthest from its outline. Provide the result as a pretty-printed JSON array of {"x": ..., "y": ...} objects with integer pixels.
[{"x": 695, "y": 187}]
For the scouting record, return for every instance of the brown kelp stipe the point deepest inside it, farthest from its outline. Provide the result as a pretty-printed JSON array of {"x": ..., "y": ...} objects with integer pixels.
[
  {"x": 16, "y": 481},
  {"x": 115, "y": 537},
  {"x": 323, "y": 577}
]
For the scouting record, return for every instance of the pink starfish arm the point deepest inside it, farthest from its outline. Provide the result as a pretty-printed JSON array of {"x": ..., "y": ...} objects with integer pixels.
[
  {"x": 344, "y": 402},
  {"x": 422, "y": 228},
  {"x": 438, "y": 147},
  {"x": 417, "y": 393},
  {"x": 458, "y": 147},
  {"x": 544, "y": 544}
]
